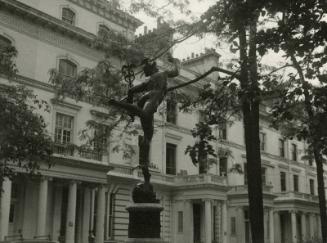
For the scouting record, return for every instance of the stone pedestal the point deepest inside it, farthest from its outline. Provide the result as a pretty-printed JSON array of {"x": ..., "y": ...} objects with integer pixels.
[{"x": 144, "y": 221}]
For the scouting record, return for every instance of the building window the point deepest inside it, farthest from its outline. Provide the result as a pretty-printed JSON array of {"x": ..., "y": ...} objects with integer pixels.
[
  {"x": 103, "y": 32},
  {"x": 64, "y": 129},
  {"x": 281, "y": 144},
  {"x": 233, "y": 226},
  {"x": 68, "y": 16},
  {"x": 263, "y": 176},
  {"x": 294, "y": 152},
  {"x": 171, "y": 159},
  {"x": 180, "y": 221},
  {"x": 296, "y": 183},
  {"x": 262, "y": 137},
  {"x": 282, "y": 181},
  {"x": 312, "y": 186},
  {"x": 223, "y": 166},
  {"x": 222, "y": 131},
  {"x": 67, "y": 68},
  {"x": 100, "y": 142},
  {"x": 171, "y": 111}
]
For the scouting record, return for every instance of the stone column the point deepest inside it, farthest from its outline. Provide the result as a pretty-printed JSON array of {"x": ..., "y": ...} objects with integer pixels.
[
  {"x": 5, "y": 208},
  {"x": 271, "y": 226},
  {"x": 42, "y": 207},
  {"x": 188, "y": 221},
  {"x": 312, "y": 225},
  {"x": 86, "y": 215},
  {"x": 303, "y": 227},
  {"x": 294, "y": 228},
  {"x": 57, "y": 212},
  {"x": 208, "y": 221},
  {"x": 277, "y": 229},
  {"x": 224, "y": 222},
  {"x": 101, "y": 202},
  {"x": 71, "y": 213}
]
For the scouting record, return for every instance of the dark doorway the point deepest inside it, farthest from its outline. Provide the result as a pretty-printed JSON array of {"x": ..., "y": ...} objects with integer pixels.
[{"x": 197, "y": 222}]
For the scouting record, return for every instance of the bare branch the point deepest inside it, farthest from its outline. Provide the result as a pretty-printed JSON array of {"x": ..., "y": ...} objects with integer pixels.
[{"x": 213, "y": 69}]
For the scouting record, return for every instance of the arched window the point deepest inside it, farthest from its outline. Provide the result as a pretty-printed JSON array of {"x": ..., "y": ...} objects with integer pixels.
[
  {"x": 68, "y": 16},
  {"x": 67, "y": 68},
  {"x": 103, "y": 31}
]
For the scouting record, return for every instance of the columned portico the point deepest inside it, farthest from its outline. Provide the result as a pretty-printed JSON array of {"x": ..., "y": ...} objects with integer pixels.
[
  {"x": 188, "y": 221},
  {"x": 71, "y": 213},
  {"x": 208, "y": 221},
  {"x": 42, "y": 207},
  {"x": 5, "y": 208},
  {"x": 99, "y": 236},
  {"x": 294, "y": 228}
]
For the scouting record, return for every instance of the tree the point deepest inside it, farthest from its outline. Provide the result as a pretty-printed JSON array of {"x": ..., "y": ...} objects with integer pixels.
[
  {"x": 301, "y": 35},
  {"x": 24, "y": 141}
]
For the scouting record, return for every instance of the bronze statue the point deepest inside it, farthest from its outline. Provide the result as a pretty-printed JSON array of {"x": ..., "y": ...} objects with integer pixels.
[{"x": 156, "y": 90}]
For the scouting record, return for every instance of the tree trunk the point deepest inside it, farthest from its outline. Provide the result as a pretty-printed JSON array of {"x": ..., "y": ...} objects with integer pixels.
[
  {"x": 316, "y": 148},
  {"x": 250, "y": 109},
  {"x": 321, "y": 194}
]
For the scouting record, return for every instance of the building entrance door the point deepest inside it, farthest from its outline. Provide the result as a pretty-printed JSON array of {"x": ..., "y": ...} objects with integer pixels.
[{"x": 197, "y": 222}]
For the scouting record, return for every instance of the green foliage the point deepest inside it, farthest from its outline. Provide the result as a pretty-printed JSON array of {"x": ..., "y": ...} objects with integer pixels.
[{"x": 24, "y": 141}]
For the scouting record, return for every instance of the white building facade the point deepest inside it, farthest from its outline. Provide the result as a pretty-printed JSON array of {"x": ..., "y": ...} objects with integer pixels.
[{"x": 82, "y": 198}]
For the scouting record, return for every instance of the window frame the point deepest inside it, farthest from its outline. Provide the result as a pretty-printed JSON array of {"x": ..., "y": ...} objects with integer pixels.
[
  {"x": 312, "y": 186},
  {"x": 171, "y": 170},
  {"x": 281, "y": 147},
  {"x": 171, "y": 111},
  {"x": 222, "y": 131},
  {"x": 294, "y": 151},
  {"x": 225, "y": 159},
  {"x": 66, "y": 20},
  {"x": 296, "y": 187},
  {"x": 62, "y": 132},
  {"x": 283, "y": 186},
  {"x": 67, "y": 60}
]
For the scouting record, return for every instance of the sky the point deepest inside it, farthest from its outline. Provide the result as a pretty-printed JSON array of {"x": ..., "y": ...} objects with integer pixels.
[{"x": 195, "y": 45}]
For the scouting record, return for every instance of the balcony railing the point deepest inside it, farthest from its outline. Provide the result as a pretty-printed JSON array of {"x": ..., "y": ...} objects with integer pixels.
[
  {"x": 244, "y": 189},
  {"x": 158, "y": 177},
  {"x": 64, "y": 149},
  {"x": 71, "y": 150},
  {"x": 91, "y": 154},
  {"x": 297, "y": 195}
]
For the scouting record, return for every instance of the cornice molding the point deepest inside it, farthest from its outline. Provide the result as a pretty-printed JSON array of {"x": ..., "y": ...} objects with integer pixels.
[{"x": 103, "y": 9}]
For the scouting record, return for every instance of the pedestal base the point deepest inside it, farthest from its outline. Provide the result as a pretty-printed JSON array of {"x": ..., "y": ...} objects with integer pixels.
[
  {"x": 144, "y": 221},
  {"x": 144, "y": 240}
]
